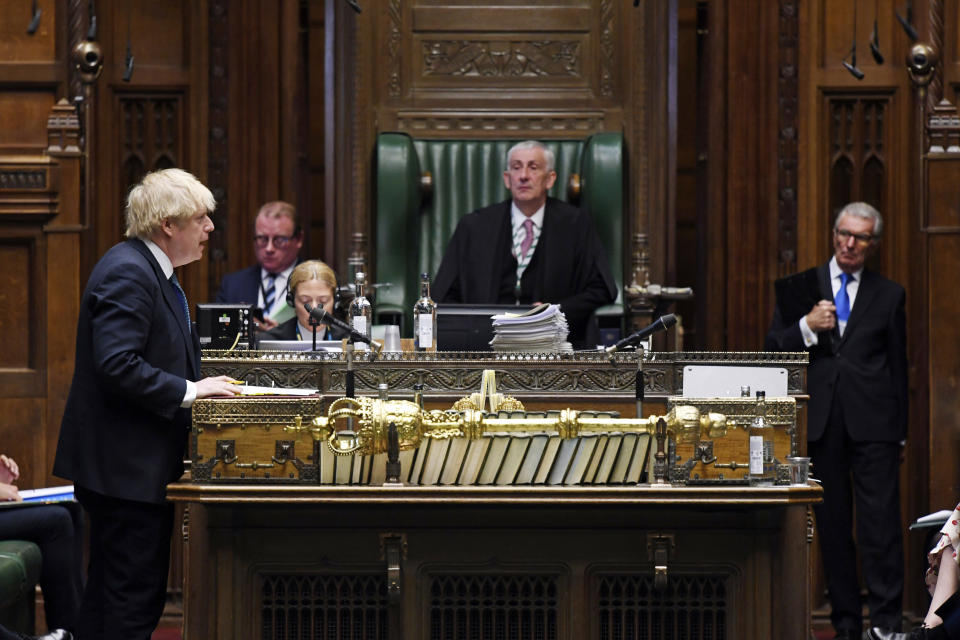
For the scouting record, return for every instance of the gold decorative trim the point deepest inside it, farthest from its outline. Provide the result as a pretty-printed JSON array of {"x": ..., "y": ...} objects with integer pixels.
[{"x": 457, "y": 372}]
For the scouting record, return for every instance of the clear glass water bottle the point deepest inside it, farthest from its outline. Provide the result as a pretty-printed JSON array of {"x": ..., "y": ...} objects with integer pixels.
[
  {"x": 361, "y": 311},
  {"x": 425, "y": 318},
  {"x": 761, "y": 445}
]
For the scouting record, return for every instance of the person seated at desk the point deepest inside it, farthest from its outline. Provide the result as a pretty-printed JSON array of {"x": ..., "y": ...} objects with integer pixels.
[
  {"x": 312, "y": 282},
  {"x": 529, "y": 249},
  {"x": 58, "y": 531},
  {"x": 277, "y": 239}
]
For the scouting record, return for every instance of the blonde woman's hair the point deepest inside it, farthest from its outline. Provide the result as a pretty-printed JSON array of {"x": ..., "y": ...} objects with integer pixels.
[
  {"x": 169, "y": 193},
  {"x": 312, "y": 270}
]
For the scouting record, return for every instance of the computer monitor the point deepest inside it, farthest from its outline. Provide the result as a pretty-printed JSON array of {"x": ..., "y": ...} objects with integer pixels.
[
  {"x": 469, "y": 327},
  {"x": 224, "y": 326},
  {"x": 299, "y": 345}
]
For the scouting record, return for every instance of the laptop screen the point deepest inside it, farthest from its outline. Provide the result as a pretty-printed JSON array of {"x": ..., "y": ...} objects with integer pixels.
[{"x": 298, "y": 345}]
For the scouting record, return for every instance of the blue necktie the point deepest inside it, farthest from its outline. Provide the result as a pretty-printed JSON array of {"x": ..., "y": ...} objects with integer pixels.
[
  {"x": 183, "y": 299},
  {"x": 269, "y": 293},
  {"x": 842, "y": 301}
]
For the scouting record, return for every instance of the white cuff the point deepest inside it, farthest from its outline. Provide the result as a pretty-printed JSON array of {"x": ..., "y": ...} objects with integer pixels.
[
  {"x": 190, "y": 395},
  {"x": 809, "y": 337}
]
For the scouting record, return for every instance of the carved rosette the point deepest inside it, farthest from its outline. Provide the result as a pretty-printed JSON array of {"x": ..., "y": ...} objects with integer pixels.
[
  {"x": 394, "y": 39},
  {"x": 607, "y": 48},
  {"x": 23, "y": 180},
  {"x": 787, "y": 156}
]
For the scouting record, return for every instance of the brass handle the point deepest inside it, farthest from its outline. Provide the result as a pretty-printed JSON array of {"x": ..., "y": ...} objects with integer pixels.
[
  {"x": 254, "y": 465},
  {"x": 731, "y": 465}
]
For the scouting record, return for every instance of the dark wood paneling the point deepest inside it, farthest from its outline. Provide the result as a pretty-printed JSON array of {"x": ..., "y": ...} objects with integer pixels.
[
  {"x": 16, "y": 256},
  {"x": 944, "y": 366},
  {"x": 28, "y": 110},
  {"x": 22, "y": 348},
  {"x": 16, "y": 45},
  {"x": 858, "y": 141},
  {"x": 22, "y": 421}
]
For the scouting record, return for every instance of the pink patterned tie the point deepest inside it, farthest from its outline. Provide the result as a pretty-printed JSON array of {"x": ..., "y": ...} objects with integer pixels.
[{"x": 528, "y": 239}]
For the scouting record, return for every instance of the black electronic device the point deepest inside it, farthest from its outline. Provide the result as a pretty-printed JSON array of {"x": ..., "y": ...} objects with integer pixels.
[
  {"x": 469, "y": 327},
  {"x": 225, "y": 326}
]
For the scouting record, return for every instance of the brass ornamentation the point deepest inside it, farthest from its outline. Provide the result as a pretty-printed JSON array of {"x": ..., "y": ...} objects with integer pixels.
[{"x": 371, "y": 418}]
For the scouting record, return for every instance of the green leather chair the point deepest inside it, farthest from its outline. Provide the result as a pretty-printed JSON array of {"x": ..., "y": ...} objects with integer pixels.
[
  {"x": 412, "y": 229},
  {"x": 20, "y": 563}
]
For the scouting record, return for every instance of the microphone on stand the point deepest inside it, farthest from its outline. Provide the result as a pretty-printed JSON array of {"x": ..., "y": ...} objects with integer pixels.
[
  {"x": 320, "y": 315},
  {"x": 660, "y": 324}
]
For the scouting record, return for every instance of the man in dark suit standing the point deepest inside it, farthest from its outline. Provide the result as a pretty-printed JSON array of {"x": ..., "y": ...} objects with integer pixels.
[
  {"x": 529, "y": 249},
  {"x": 277, "y": 240},
  {"x": 852, "y": 322},
  {"x": 126, "y": 421}
]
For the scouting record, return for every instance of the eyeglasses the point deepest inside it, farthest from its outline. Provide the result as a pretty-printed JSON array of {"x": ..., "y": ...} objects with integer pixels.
[
  {"x": 861, "y": 238},
  {"x": 278, "y": 241}
]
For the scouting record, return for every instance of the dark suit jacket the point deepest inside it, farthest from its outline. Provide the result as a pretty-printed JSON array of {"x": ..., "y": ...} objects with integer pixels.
[
  {"x": 241, "y": 286},
  {"x": 866, "y": 369},
  {"x": 123, "y": 432},
  {"x": 568, "y": 267}
]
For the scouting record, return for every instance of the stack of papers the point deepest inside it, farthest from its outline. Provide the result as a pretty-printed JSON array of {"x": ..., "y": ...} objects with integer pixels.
[{"x": 543, "y": 329}]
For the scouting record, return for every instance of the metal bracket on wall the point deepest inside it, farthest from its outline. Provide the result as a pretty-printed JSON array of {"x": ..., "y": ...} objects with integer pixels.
[
  {"x": 659, "y": 548},
  {"x": 393, "y": 550}
]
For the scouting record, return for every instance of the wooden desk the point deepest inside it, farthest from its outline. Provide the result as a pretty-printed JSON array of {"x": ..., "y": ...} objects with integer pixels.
[{"x": 331, "y": 562}]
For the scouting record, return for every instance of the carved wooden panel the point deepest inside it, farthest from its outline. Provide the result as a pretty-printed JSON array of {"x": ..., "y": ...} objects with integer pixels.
[
  {"x": 442, "y": 55},
  {"x": 834, "y": 33},
  {"x": 21, "y": 257},
  {"x": 157, "y": 32},
  {"x": 944, "y": 212},
  {"x": 150, "y": 135},
  {"x": 857, "y": 155},
  {"x": 944, "y": 332},
  {"x": 23, "y": 120},
  {"x": 16, "y": 45}
]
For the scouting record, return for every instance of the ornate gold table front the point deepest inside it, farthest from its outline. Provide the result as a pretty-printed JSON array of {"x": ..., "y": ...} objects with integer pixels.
[
  {"x": 541, "y": 381},
  {"x": 331, "y": 562}
]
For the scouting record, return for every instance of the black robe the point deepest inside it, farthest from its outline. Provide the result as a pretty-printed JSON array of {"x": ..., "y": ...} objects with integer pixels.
[{"x": 568, "y": 267}]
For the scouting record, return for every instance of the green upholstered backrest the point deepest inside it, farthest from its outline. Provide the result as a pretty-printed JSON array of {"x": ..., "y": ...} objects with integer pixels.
[
  {"x": 601, "y": 183},
  {"x": 398, "y": 211},
  {"x": 412, "y": 232},
  {"x": 20, "y": 563}
]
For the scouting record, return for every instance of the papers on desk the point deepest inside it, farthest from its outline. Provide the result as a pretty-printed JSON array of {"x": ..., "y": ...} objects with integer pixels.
[
  {"x": 542, "y": 329},
  {"x": 254, "y": 390},
  {"x": 936, "y": 519},
  {"x": 48, "y": 494},
  {"x": 45, "y": 495}
]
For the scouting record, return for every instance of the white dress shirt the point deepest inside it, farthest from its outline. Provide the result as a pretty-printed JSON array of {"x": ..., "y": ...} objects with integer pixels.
[
  {"x": 517, "y": 218},
  {"x": 809, "y": 337},
  {"x": 167, "y": 267}
]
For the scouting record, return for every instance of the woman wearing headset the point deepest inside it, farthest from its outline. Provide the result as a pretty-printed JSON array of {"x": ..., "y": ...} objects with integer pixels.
[{"x": 312, "y": 282}]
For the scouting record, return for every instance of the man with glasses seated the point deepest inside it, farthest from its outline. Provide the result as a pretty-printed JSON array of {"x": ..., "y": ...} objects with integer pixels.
[
  {"x": 277, "y": 240},
  {"x": 852, "y": 322}
]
